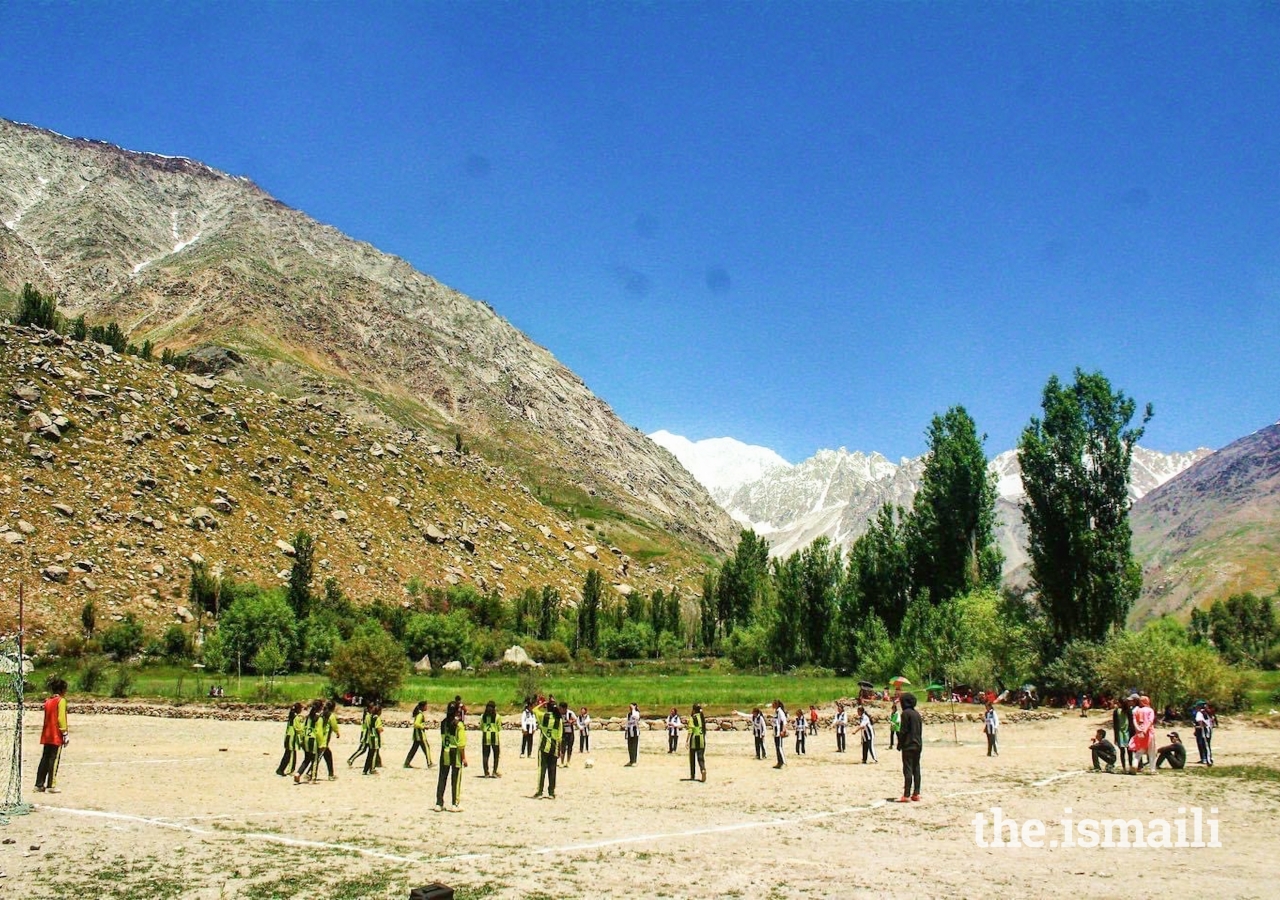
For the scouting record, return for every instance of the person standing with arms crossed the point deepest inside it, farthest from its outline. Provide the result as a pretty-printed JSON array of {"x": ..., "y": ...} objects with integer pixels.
[
  {"x": 673, "y": 730},
  {"x": 54, "y": 735},
  {"x": 633, "y": 735},
  {"x": 549, "y": 725},
  {"x": 448, "y": 755},
  {"x": 528, "y": 725},
  {"x": 697, "y": 742},
  {"x": 584, "y": 731},
  {"x": 841, "y": 723},
  {"x": 910, "y": 743}
]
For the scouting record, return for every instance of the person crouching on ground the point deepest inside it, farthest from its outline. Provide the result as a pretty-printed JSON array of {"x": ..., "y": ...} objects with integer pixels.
[
  {"x": 1102, "y": 751},
  {"x": 1175, "y": 753}
]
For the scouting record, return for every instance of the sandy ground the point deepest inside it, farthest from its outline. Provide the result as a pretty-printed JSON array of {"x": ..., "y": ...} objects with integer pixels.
[{"x": 171, "y": 808}]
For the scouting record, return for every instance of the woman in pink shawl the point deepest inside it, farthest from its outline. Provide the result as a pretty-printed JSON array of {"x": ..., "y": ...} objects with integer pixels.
[{"x": 1144, "y": 720}]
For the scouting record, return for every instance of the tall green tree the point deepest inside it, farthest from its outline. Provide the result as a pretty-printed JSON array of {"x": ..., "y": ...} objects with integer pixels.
[
  {"x": 1075, "y": 469},
  {"x": 742, "y": 581},
  {"x": 301, "y": 573},
  {"x": 880, "y": 568},
  {"x": 589, "y": 611},
  {"x": 707, "y": 611},
  {"x": 950, "y": 532},
  {"x": 548, "y": 613}
]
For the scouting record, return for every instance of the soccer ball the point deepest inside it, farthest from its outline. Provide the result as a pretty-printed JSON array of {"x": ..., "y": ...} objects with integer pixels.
[{"x": 588, "y": 763}]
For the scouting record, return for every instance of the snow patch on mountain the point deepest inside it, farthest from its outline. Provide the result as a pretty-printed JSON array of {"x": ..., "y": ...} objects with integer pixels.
[
  {"x": 836, "y": 493},
  {"x": 721, "y": 465}
]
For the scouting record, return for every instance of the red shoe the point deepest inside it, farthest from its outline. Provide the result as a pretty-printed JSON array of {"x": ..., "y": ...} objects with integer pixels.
[
  {"x": 915, "y": 797},
  {"x": 903, "y": 799}
]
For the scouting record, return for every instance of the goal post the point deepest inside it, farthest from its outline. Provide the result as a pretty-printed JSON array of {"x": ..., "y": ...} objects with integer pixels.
[{"x": 13, "y": 672}]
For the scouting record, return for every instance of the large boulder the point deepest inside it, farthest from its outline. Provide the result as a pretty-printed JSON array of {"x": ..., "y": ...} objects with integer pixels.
[
  {"x": 517, "y": 656},
  {"x": 423, "y": 666},
  {"x": 453, "y": 666}
]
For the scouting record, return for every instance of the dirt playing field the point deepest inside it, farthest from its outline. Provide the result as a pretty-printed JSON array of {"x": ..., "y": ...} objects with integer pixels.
[{"x": 192, "y": 808}]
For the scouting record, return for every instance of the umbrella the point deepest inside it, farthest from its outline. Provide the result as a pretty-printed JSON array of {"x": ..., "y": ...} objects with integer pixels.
[
  {"x": 936, "y": 687},
  {"x": 866, "y": 684},
  {"x": 899, "y": 680}
]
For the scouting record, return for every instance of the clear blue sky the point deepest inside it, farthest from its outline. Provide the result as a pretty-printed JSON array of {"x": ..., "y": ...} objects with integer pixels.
[{"x": 802, "y": 225}]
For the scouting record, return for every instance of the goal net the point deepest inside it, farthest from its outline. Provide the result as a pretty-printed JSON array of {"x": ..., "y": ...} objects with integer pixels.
[{"x": 12, "y": 678}]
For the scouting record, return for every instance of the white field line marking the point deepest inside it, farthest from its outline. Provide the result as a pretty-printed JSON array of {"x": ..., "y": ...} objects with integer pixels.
[
  {"x": 261, "y": 836},
  {"x": 537, "y": 851},
  {"x": 147, "y": 762}
]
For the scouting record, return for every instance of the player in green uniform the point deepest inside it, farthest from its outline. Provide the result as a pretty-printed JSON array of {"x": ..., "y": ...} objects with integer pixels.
[
  {"x": 310, "y": 755},
  {"x": 697, "y": 742},
  {"x": 374, "y": 738},
  {"x": 490, "y": 738},
  {"x": 449, "y": 760},
  {"x": 419, "y": 736},
  {"x": 549, "y": 747},
  {"x": 290, "y": 758}
]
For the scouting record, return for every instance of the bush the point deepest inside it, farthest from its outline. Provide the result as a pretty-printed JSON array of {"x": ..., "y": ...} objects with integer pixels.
[
  {"x": 634, "y": 640},
  {"x": 552, "y": 651},
  {"x": 251, "y": 619},
  {"x": 92, "y": 671},
  {"x": 122, "y": 680},
  {"x": 372, "y": 664},
  {"x": 442, "y": 637},
  {"x": 176, "y": 643},
  {"x": 748, "y": 648},
  {"x": 528, "y": 684},
  {"x": 123, "y": 639}
]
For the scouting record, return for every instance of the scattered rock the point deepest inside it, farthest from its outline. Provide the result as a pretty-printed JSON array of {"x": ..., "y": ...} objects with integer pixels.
[
  {"x": 286, "y": 548},
  {"x": 423, "y": 665},
  {"x": 339, "y": 515},
  {"x": 453, "y": 666},
  {"x": 57, "y": 574},
  {"x": 63, "y": 510},
  {"x": 199, "y": 381},
  {"x": 517, "y": 656}
]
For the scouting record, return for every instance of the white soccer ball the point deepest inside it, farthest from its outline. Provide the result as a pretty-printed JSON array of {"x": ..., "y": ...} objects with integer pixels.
[{"x": 588, "y": 763}]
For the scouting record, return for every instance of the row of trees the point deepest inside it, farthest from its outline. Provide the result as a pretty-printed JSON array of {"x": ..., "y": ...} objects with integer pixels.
[
  {"x": 40, "y": 310},
  {"x": 919, "y": 590}
]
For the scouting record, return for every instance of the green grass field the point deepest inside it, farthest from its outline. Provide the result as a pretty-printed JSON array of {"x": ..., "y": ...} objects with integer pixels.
[
  {"x": 718, "y": 691},
  {"x": 1263, "y": 686}
]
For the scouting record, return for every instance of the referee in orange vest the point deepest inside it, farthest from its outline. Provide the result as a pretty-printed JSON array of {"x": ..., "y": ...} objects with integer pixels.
[{"x": 53, "y": 736}]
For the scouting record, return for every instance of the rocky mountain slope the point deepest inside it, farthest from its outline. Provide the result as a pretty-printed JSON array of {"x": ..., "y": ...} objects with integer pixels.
[
  {"x": 115, "y": 472},
  {"x": 185, "y": 256},
  {"x": 1214, "y": 530},
  {"x": 836, "y": 493}
]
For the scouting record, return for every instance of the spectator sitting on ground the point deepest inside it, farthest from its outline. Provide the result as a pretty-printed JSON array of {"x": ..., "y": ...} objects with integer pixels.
[
  {"x": 1175, "y": 754},
  {"x": 1102, "y": 750}
]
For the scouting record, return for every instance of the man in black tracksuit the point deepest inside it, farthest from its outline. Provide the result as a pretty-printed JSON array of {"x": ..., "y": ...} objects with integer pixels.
[{"x": 910, "y": 742}]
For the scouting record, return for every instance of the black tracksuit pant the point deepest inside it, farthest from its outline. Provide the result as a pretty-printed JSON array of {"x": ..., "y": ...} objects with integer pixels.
[
  {"x": 547, "y": 773},
  {"x": 485, "y": 750},
  {"x": 910, "y": 772}
]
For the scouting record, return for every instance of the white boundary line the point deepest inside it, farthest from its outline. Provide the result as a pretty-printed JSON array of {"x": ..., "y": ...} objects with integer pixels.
[{"x": 536, "y": 851}]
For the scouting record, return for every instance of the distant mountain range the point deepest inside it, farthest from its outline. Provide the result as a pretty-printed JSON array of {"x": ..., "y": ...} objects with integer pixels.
[{"x": 1205, "y": 524}]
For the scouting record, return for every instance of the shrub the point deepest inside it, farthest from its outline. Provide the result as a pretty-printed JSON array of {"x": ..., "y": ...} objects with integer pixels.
[
  {"x": 634, "y": 640},
  {"x": 552, "y": 651},
  {"x": 122, "y": 680},
  {"x": 123, "y": 639},
  {"x": 372, "y": 664},
  {"x": 90, "y": 675},
  {"x": 176, "y": 643},
  {"x": 442, "y": 637}
]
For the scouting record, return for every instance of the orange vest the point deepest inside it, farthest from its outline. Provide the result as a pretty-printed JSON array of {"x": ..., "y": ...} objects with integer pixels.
[{"x": 55, "y": 718}]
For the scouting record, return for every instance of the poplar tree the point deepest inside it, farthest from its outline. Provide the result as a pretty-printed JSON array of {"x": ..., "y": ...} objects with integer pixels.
[
  {"x": 1075, "y": 469},
  {"x": 950, "y": 532}
]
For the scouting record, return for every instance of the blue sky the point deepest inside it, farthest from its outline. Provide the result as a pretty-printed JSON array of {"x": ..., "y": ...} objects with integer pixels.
[{"x": 801, "y": 225}]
